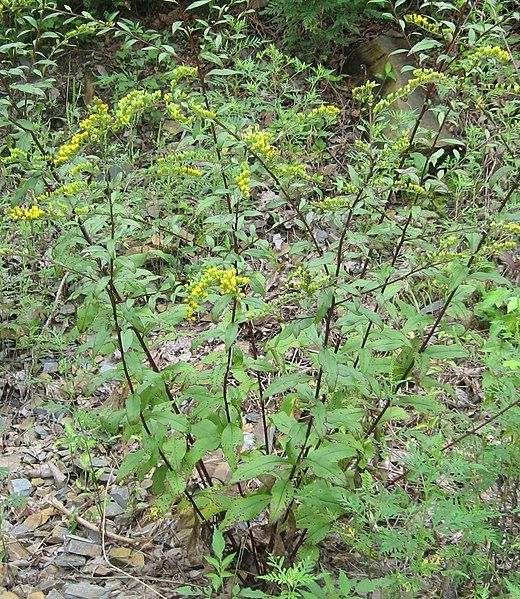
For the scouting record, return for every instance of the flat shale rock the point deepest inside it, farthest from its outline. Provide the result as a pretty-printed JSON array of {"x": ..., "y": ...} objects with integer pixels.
[
  {"x": 20, "y": 486},
  {"x": 84, "y": 547},
  {"x": 85, "y": 590}
]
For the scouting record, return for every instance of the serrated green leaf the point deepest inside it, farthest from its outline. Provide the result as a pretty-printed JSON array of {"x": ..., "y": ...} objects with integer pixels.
[
  {"x": 257, "y": 466},
  {"x": 281, "y": 494}
]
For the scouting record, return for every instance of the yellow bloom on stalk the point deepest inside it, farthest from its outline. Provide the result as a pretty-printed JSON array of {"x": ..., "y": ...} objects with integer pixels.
[
  {"x": 327, "y": 111},
  {"x": 490, "y": 53},
  {"x": 244, "y": 179},
  {"x": 423, "y": 22},
  {"x": 134, "y": 104},
  {"x": 260, "y": 143},
  {"x": 228, "y": 281},
  {"x": 182, "y": 72},
  {"x": 34, "y": 212},
  {"x": 91, "y": 128}
]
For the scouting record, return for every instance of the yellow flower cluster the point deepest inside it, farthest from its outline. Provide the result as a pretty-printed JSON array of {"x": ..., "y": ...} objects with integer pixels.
[
  {"x": 202, "y": 112},
  {"x": 82, "y": 167},
  {"x": 490, "y": 53},
  {"x": 304, "y": 280},
  {"x": 420, "y": 77},
  {"x": 173, "y": 110},
  {"x": 500, "y": 246},
  {"x": 172, "y": 165},
  {"x": 327, "y": 111},
  {"x": 505, "y": 227},
  {"x": 134, "y": 104},
  {"x": 228, "y": 281},
  {"x": 364, "y": 94},
  {"x": 33, "y": 212},
  {"x": 423, "y": 22},
  {"x": 335, "y": 203},
  {"x": 92, "y": 128},
  {"x": 299, "y": 171},
  {"x": 182, "y": 72},
  {"x": 16, "y": 155},
  {"x": 260, "y": 143},
  {"x": 410, "y": 187},
  {"x": 244, "y": 179}
]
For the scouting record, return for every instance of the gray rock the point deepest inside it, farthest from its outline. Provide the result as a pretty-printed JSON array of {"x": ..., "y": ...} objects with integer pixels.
[
  {"x": 54, "y": 594},
  {"x": 113, "y": 509},
  {"x": 41, "y": 432},
  {"x": 84, "y": 590},
  {"x": 68, "y": 560},
  {"x": 121, "y": 495},
  {"x": 22, "y": 531},
  {"x": 20, "y": 486},
  {"x": 83, "y": 547},
  {"x": 50, "y": 366}
]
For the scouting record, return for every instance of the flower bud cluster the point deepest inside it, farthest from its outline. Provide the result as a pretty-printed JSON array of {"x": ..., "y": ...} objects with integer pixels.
[
  {"x": 227, "y": 281},
  {"x": 489, "y": 53},
  {"x": 169, "y": 166},
  {"x": 202, "y": 112},
  {"x": 327, "y": 112},
  {"x": 182, "y": 72},
  {"x": 260, "y": 143},
  {"x": 506, "y": 227},
  {"x": 303, "y": 280},
  {"x": 174, "y": 111},
  {"x": 420, "y": 77},
  {"x": 423, "y": 22},
  {"x": 364, "y": 94},
  {"x": 134, "y": 104},
  {"x": 91, "y": 128},
  {"x": 243, "y": 180}
]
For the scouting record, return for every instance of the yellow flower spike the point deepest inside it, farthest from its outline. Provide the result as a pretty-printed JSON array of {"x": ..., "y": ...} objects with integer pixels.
[{"x": 423, "y": 22}]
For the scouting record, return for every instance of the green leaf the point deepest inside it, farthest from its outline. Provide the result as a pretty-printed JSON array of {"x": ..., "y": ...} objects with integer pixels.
[
  {"x": 324, "y": 461},
  {"x": 245, "y": 508},
  {"x": 281, "y": 494},
  {"x": 257, "y": 466},
  {"x": 445, "y": 352},
  {"x": 174, "y": 484},
  {"x": 132, "y": 463},
  {"x": 232, "y": 436},
  {"x": 218, "y": 544},
  {"x": 198, "y": 3},
  {"x": 231, "y": 334},
  {"x": 394, "y": 413},
  {"x": 174, "y": 448},
  {"x": 223, "y": 72},
  {"x": 285, "y": 382},
  {"x": 133, "y": 408},
  {"x": 329, "y": 362},
  {"x": 425, "y": 44},
  {"x": 324, "y": 302}
]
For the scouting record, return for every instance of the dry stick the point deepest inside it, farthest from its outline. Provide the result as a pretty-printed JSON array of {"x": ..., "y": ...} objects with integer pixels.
[
  {"x": 86, "y": 524},
  {"x": 254, "y": 351},
  {"x": 104, "y": 533}
]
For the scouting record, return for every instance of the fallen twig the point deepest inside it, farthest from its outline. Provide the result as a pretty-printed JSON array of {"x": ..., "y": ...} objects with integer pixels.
[{"x": 89, "y": 525}]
